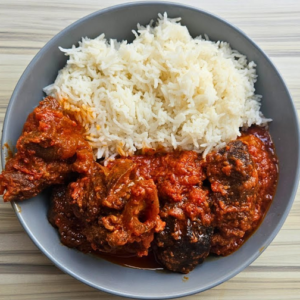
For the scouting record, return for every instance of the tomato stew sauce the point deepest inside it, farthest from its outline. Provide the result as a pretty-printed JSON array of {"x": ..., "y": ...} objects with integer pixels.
[{"x": 188, "y": 187}]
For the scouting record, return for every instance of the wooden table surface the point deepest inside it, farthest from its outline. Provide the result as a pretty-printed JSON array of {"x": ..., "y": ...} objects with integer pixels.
[{"x": 25, "y": 27}]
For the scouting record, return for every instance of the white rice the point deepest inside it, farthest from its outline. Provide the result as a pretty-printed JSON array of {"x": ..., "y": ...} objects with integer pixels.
[{"x": 163, "y": 89}]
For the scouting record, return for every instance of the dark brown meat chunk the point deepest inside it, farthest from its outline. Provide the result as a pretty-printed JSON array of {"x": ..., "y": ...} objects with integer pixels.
[
  {"x": 183, "y": 244},
  {"x": 234, "y": 182},
  {"x": 69, "y": 227},
  {"x": 50, "y": 148}
]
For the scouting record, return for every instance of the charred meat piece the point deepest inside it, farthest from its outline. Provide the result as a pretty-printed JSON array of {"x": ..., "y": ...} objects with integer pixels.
[
  {"x": 183, "y": 244},
  {"x": 234, "y": 183},
  {"x": 51, "y": 147}
]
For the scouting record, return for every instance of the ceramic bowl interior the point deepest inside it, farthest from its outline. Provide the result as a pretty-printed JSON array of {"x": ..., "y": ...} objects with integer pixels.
[{"x": 117, "y": 22}]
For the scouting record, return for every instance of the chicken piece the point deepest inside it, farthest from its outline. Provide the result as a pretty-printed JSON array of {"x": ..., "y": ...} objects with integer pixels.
[
  {"x": 234, "y": 182},
  {"x": 51, "y": 148}
]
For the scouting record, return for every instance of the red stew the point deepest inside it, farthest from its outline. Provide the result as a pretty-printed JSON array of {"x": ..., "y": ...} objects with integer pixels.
[{"x": 178, "y": 206}]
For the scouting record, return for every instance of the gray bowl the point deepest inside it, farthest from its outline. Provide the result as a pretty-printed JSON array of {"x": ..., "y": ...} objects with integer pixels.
[{"x": 117, "y": 22}]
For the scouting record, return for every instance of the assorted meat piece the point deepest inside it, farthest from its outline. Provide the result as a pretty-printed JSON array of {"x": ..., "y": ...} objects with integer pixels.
[
  {"x": 113, "y": 213},
  {"x": 178, "y": 205},
  {"x": 234, "y": 183},
  {"x": 183, "y": 244},
  {"x": 62, "y": 217},
  {"x": 50, "y": 149}
]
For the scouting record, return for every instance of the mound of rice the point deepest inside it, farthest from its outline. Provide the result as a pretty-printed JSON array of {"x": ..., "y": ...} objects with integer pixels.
[{"x": 163, "y": 89}]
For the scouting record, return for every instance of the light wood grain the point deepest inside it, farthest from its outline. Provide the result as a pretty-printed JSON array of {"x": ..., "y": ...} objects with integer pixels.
[{"x": 25, "y": 26}]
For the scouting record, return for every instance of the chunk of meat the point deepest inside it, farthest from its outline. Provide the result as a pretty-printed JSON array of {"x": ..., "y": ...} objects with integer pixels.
[
  {"x": 133, "y": 229},
  {"x": 183, "y": 244},
  {"x": 51, "y": 148},
  {"x": 185, "y": 241},
  {"x": 234, "y": 183},
  {"x": 87, "y": 194},
  {"x": 25, "y": 178},
  {"x": 117, "y": 214},
  {"x": 62, "y": 217}
]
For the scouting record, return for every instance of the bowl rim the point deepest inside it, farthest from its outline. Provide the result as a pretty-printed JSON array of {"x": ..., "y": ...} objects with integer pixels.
[{"x": 247, "y": 262}]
